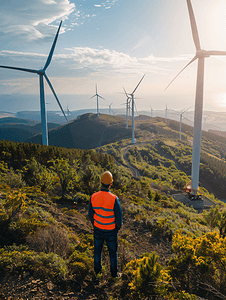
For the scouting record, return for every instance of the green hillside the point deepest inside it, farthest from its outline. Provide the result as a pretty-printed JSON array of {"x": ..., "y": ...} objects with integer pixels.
[
  {"x": 13, "y": 120},
  {"x": 21, "y": 130},
  {"x": 87, "y": 132},
  {"x": 166, "y": 249},
  {"x": 108, "y": 134},
  {"x": 162, "y": 157}
]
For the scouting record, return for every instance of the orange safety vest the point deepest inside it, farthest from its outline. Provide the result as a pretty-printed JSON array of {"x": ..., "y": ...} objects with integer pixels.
[{"x": 103, "y": 206}]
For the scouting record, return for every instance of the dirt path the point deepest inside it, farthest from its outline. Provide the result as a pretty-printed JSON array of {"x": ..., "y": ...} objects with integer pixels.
[{"x": 135, "y": 172}]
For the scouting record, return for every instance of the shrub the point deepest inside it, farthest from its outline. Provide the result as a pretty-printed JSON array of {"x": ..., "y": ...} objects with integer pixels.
[
  {"x": 199, "y": 266},
  {"x": 36, "y": 174},
  {"x": 80, "y": 264},
  {"x": 14, "y": 180},
  {"x": 50, "y": 239},
  {"x": 13, "y": 203},
  {"x": 18, "y": 260},
  {"x": 144, "y": 275}
]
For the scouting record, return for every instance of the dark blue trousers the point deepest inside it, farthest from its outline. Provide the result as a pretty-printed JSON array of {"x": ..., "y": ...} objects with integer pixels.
[{"x": 111, "y": 238}]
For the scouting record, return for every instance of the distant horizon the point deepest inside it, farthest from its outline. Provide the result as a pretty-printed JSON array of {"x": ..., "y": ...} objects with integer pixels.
[
  {"x": 156, "y": 41},
  {"x": 30, "y": 102}
]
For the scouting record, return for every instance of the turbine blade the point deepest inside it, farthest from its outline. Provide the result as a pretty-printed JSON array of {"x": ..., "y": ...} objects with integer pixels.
[
  {"x": 138, "y": 84},
  {"x": 185, "y": 109},
  {"x": 213, "y": 52},
  {"x": 193, "y": 59},
  {"x": 52, "y": 49},
  {"x": 51, "y": 87},
  {"x": 194, "y": 29},
  {"x": 96, "y": 89},
  {"x": 187, "y": 119},
  {"x": 136, "y": 108},
  {"x": 101, "y": 97},
  {"x": 20, "y": 69},
  {"x": 92, "y": 96},
  {"x": 125, "y": 92}
]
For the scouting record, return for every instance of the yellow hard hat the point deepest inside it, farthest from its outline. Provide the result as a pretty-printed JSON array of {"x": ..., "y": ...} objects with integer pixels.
[{"x": 107, "y": 178}]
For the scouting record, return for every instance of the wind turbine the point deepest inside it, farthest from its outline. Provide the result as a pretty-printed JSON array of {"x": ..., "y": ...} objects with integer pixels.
[
  {"x": 110, "y": 108},
  {"x": 132, "y": 99},
  {"x": 68, "y": 112},
  {"x": 181, "y": 117},
  {"x": 166, "y": 113},
  {"x": 128, "y": 99},
  {"x": 42, "y": 74},
  {"x": 151, "y": 112},
  {"x": 98, "y": 96},
  {"x": 200, "y": 56}
]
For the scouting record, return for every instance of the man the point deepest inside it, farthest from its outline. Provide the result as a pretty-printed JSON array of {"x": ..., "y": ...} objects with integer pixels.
[{"x": 105, "y": 213}]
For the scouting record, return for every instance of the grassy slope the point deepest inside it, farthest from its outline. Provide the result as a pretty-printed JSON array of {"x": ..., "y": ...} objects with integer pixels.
[{"x": 149, "y": 222}]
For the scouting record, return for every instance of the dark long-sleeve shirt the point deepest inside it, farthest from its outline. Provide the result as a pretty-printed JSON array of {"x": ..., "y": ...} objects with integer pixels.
[{"x": 117, "y": 211}]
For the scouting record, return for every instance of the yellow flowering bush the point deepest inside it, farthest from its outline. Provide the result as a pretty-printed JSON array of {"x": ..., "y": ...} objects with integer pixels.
[
  {"x": 13, "y": 203},
  {"x": 145, "y": 276},
  {"x": 200, "y": 262}
]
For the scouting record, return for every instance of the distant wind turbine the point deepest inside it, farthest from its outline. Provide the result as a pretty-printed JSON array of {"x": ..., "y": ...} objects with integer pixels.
[
  {"x": 166, "y": 112},
  {"x": 181, "y": 117},
  {"x": 68, "y": 112},
  {"x": 98, "y": 96},
  {"x": 110, "y": 108},
  {"x": 128, "y": 99},
  {"x": 205, "y": 118},
  {"x": 42, "y": 74},
  {"x": 151, "y": 112},
  {"x": 200, "y": 55},
  {"x": 132, "y": 99}
]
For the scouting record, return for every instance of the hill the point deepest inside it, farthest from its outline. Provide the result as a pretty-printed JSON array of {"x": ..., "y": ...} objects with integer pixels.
[
  {"x": 87, "y": 132},
  {"x": 13, "y": 120},
  {"x": 166, "y": 249},
  {"x": 19, "y": 130},
  {"x": 90, "y": 132}
]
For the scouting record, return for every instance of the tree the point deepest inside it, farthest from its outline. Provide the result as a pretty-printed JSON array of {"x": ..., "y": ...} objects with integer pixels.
[
  {"x": 212, "y": 217},
  {"x": 10, "y": 207},
  {"x": 36, "y": 174},
  {"x": 67, "y": 173}
]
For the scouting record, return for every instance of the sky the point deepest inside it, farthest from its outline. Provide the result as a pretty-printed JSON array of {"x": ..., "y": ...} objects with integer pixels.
[{"x": 111, "y": 43}]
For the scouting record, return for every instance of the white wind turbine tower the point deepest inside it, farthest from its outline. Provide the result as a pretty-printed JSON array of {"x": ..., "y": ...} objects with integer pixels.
[
  {"x": 128, "y": 99},
  {"x": 133, "y": 104},
  {"x": 42, "y": 74},
  {"x": 110, "y": 108},
  {"x": 166, "y": 112},
  {"x": 200, "y": 56},
  {"x": 98, "y": 96},
  {"x": 151, "y": 112},
  {"x": 68, "y": 112},
  {"x": 181, "y": 117}
]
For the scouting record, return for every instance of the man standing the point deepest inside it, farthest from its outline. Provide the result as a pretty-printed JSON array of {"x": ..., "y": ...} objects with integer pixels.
[{"x": 105, "y": 214}]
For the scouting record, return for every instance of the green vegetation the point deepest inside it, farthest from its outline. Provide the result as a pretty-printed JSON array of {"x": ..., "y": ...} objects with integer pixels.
[{"x": 43, "y": 236}]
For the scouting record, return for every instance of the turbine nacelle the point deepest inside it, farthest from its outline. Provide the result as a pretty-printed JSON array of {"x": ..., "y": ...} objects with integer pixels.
[
  {"x": 41, "y": 72},
  {"x": 202, "y": 53}
]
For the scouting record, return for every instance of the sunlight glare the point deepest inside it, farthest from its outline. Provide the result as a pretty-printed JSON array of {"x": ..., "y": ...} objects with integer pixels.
[{"x": 213, "y": 25}]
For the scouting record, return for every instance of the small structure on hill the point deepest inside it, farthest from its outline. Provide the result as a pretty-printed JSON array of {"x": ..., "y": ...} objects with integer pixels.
[{"x": 199, "y": 203}]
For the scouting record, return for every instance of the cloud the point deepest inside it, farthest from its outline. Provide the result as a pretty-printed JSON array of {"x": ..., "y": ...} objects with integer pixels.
[
  {"x": 107, "y": 4},
  {"x": 85, "y": 61},
  {"x": 114, "y": 62},
  {"x": 30, "y": 20}
]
